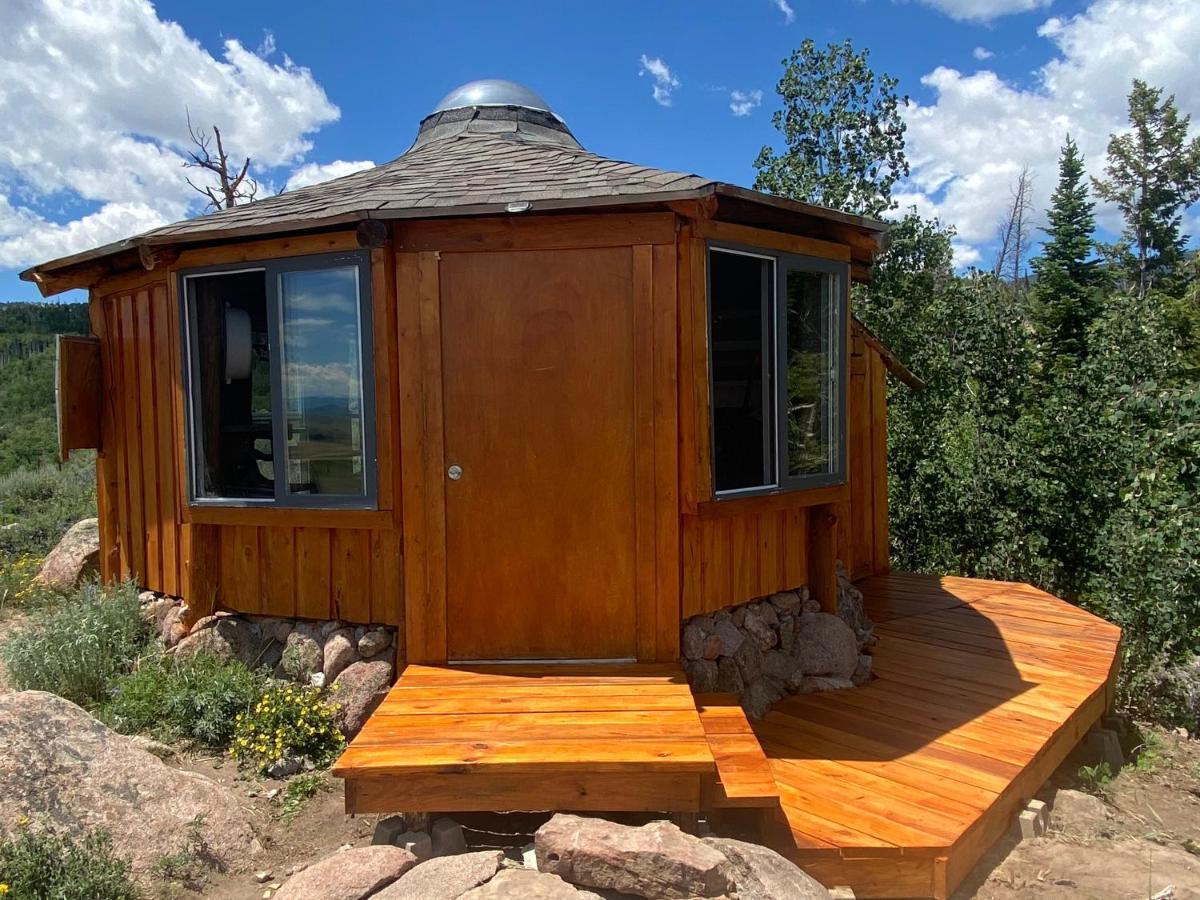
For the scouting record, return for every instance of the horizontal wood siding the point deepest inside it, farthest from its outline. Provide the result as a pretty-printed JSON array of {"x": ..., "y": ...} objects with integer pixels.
[{"x": 244, "y": 563}]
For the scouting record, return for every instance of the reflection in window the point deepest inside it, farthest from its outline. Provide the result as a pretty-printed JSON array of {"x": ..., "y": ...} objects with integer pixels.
[
  {"x": 231, "y": 365},
  {"x": 322, "y": 381},
  {"x": 776, "y": 395},
  {"x": 741, "y": 292},
  {"x": 809, "y": 433},
  {"x": 275, "y": 371}
]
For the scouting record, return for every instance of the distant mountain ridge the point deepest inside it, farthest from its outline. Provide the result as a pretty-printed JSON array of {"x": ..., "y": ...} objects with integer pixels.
[{"x": 27, "y": 330}]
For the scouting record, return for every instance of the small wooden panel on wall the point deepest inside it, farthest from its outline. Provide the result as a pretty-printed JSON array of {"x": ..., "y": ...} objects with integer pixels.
[{"x": 77, "y": 393}]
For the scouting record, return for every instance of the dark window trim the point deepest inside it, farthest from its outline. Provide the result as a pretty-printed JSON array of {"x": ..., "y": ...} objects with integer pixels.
[
  {"x": 776, "y": 438},
  {"x": 273, "y": 269}
]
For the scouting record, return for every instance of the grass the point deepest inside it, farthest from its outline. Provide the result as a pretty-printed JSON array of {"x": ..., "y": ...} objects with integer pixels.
[
  {"x": 1148, "y": 755},
  {"x": 299, "y": 791},
  {"x": 191, "y": 863},
  {"x": 78, "y": 649}
]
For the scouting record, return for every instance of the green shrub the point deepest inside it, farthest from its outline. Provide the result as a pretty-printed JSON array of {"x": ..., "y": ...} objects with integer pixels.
[
  {"x": 79, "y": 649},
  {"x": 44, "y": 865},
  {"x": 18, "y": 589},
  {"x": 299, "y": 791},
  {"x": 43, "y": 503},
  {"x": 196, "y": 697},
  {"x": 289, "y": 721}
]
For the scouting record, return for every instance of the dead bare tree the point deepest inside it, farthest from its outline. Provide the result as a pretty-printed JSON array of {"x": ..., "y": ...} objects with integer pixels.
[
  {"x": 231, "y": 188},
  {"x": 1012, "y": 232}
]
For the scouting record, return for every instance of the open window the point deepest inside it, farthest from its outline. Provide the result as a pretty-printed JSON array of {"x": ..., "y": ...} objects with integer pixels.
[
  {"x": 278, "y": 375},
  {"x": 777, "y": 352}
]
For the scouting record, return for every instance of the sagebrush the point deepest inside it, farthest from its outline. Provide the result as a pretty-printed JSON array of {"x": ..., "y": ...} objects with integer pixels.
[
  {"x": 79, "y": 648},
  {"x": 43, "y": 864}
]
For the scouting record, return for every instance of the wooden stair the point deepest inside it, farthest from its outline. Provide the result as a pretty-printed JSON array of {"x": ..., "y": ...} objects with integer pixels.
[
  {"x": 527, "y": 737},
  {"x": 743, "y": 778}
]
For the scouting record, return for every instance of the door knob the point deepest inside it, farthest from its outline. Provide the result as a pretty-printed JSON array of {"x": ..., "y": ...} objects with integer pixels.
[{"x": 454, "y": 473}]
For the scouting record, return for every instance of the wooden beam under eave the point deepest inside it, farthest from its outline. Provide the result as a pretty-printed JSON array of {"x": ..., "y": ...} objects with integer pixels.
[{"x": 152, "y": 257}]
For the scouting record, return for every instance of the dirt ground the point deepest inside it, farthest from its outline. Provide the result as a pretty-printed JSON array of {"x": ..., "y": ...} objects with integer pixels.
[{"x": 1145, "y": 843}]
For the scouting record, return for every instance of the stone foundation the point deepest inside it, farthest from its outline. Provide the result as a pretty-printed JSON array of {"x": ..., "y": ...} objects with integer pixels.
[
  {"x": 779, "y": 645},
  {"x": 356, "y": 661}
]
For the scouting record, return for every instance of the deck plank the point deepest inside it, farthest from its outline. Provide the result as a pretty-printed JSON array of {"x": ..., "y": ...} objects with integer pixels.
[{"x": 982, "y": 688}]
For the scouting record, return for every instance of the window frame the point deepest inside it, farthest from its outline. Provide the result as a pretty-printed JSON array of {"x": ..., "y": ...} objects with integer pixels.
[
  {"x": 837, "y": 274},
  {"x": 273, "y": 271}
]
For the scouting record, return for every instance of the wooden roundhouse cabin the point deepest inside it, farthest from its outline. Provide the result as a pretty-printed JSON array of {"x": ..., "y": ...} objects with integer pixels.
[{"x": 536, "y": 408}]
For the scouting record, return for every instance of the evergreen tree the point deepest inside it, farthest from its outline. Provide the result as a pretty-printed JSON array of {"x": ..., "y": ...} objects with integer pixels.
[
  {"x": 1153, "y": 174},
  {"x": 1066, "y": 298},
  {"x": 844, "y": 134}
]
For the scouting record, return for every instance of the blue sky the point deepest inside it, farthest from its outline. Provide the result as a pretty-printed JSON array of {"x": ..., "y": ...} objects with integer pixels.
[{"x": 92, "y": 102}]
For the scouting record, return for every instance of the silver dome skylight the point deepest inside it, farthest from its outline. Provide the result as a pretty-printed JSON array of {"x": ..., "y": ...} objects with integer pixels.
[{"x": 492, "y": 92}]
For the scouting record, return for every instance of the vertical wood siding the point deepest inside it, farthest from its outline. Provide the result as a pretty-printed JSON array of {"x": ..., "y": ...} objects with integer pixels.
[{"x": 354, "y": 574}]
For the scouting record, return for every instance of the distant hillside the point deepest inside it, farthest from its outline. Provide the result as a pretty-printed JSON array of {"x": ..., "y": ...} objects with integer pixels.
[{"x": 27, "y": 330}]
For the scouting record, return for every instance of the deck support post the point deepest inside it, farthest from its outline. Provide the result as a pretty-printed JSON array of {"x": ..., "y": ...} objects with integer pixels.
[{"x": 822, "y": 556}]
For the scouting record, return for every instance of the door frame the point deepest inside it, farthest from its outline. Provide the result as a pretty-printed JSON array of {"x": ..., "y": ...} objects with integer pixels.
[{"x": 651, "y": 240}]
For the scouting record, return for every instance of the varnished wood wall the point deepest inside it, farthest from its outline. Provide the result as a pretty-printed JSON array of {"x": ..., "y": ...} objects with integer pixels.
[
  {"x": 311, "y": 564},
  {"x": 736, "y": 550}
]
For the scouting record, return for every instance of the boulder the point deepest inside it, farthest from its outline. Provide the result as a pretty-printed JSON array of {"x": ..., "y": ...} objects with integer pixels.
[
  {"x": 348, "y": 874},
  {"x": 357, "y": 691},
  {"x": 758, "y": 698},
  {"x": 63, "y": 767},
  {"x": 712, "y": 646},
  {"x": 154, "y": 612},
  {"x": 340, "y": 651},
  {"x": 862, "y": 672},
  {"x": 228, "y": 637},
  {"x": 374, "y": 642},
  {"x": 729, "y": 677},
  {"x": 76, "y": 557},
  {"x": 657, "y": 860},
  {"x": 749, "y": 658},
  {"x": 759, "y": 873},
  {"x": 825, "y": 645},
  {"x": 730, "y": 635},
  {"x": 785, "y": 601},
  {"x": 850, "y": 603},
  {"x": 523, "y": 884},
  {"x": 815, "y": 684},
  {"x": 1075, "y": 811},
  {"x": 760, "y": 626},
  {"x": 702, "y": 675},
  {"x": 692, "y": 642},
  {"x": 444, "y": 877},
  {"x": 302, "y": 656},
  {"x": 174, "y": 625}
]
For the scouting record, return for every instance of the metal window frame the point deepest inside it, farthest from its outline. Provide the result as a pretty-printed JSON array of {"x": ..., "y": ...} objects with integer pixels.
[
  {"x": 273, "y": 270},
  {"x": 775, "y": 345}
]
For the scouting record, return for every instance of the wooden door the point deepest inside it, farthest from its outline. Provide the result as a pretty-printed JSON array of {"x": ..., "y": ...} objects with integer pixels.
[{"x": 538, "y": 372}]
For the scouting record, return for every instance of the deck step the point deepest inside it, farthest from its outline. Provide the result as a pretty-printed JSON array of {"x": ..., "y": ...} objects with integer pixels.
[
  {"x": 744, "y": 776},
  {"x": 515, "y": 737}
]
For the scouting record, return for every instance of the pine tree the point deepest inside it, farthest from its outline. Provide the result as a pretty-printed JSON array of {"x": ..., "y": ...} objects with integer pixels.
[
  {"x": 1066, "y": 297},
  {"x": 1153, "y": 175}
]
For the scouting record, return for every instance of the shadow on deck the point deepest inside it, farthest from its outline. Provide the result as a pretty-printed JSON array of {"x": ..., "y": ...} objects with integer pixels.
[
  {"x": 898, "y": 787},
  {"x": 895, "y": 788}
]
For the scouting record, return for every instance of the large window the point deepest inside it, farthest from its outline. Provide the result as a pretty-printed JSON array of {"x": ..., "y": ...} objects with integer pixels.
[
  {"x": 278, "y": 376},
  {"x": 777, "y": 339}
]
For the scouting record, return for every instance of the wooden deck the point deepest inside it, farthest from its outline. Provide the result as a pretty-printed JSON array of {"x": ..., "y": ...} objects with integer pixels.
[
  {"x": 604, "y": 737},
  {"x": 898, "y": 787},
  {"x": 895, "y": 788}
]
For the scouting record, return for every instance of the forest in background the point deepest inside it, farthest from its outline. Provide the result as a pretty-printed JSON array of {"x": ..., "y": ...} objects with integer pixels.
[
  {"x": 1057, "y": 440},
  {"x": 27, "y": 424}
]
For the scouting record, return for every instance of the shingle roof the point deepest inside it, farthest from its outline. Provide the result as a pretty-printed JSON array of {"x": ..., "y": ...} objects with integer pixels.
[{"x": 470, "y": 161}]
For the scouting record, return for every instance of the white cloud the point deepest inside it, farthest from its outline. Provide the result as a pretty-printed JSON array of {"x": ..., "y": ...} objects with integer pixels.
[
  {"x": 968, "y": 146},
  {"x": 315, "y": 173},
  {"x": 742, "y": 103},
  {"x": 93, "y": 103},
  {"x": 665, "y": 81},
  {"x": 982, "y": 53},
  {"x": 984, "y": 10},
  {"x": 789, "y": 14}
]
